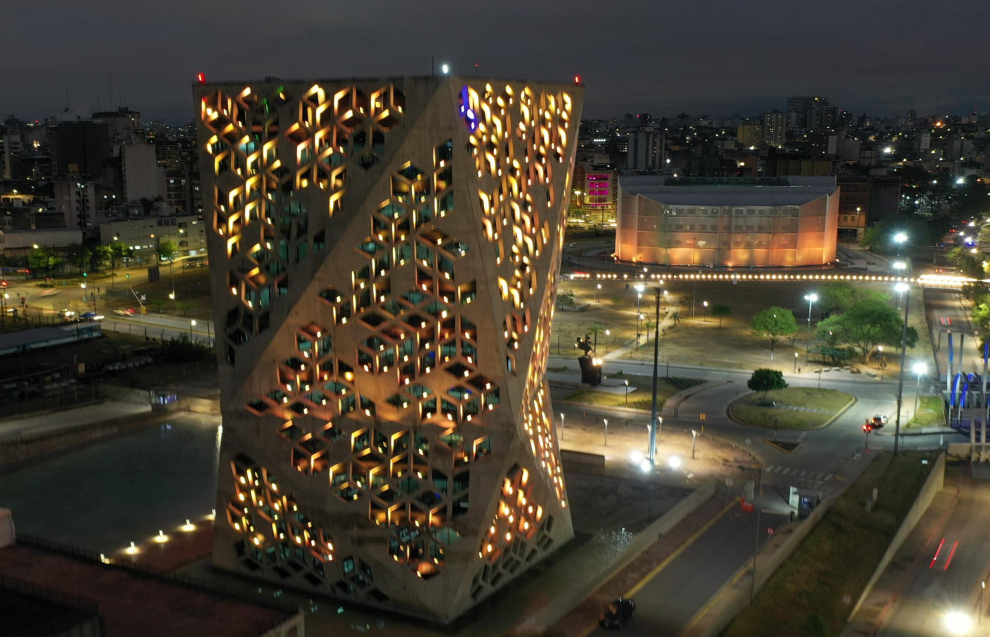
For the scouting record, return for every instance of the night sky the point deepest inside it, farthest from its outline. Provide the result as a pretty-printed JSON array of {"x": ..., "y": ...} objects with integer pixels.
[{"x": 716, "y": 57}]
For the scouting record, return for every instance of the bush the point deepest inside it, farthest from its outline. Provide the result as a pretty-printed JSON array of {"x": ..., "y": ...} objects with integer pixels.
[{"x": 182, "y": 350}]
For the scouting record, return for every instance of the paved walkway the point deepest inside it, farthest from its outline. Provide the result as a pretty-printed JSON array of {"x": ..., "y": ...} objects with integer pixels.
[{"x": 70, "y": 418}]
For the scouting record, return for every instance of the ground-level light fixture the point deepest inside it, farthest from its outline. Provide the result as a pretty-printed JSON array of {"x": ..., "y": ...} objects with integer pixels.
[{"x": 674, "y": 462}]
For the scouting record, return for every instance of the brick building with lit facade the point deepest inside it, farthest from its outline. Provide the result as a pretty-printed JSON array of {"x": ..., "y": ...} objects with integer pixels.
[{"x": 730, "y": 222}]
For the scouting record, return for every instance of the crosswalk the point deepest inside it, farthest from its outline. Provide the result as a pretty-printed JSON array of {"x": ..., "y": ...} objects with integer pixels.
[{"x": 796, "y": 473}]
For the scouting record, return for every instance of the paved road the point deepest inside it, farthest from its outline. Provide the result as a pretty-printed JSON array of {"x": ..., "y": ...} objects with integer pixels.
[
  {"x": 954, "y": 308},
  {"x": 159, "y": 327},
  {"x": 665, "y": 603},
  {"x": 936, "y": 585},
  {"x": 835, "y": 450}
]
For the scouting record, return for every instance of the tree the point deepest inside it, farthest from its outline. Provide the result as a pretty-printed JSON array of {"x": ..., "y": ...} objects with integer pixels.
[
  {"x": 78, "y": 255},
  {"x": 832, "y": 354},
  {"x": 774, "y": 322},
  {"x": 45, "y": 260},
  {"x": 118, "y": 251},
  {"x": 868, "y": 323},
  {"x": 969, "y": 264},
  {"x": 98, "y": 256},
  {"x": 617, "y": 301},
  {"x": 167, "y": 250},
  {"x": 720, "y": 310},
  {"x": 835, "y": 296},
  {"x": 766, "y": 380}
]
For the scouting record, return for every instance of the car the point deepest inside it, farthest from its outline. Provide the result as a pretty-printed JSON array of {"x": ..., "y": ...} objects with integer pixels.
[
  {"x": 91, "y": 316},
  {"x": 878, "y": 421},
  {"x": 125, "y": 312},
  {"x": 617, "y": 613}
]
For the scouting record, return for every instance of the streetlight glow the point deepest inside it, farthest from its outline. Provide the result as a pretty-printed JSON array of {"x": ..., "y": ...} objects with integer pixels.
[
  {"x": 958, "y": 623},
  {"x": 920, "y": 369},
  {"x": 900, "y": 237},
  {"x": 674, "y": 462},
  {"x": 445, "y": 69},
  {"x": 901, "y": 288}
]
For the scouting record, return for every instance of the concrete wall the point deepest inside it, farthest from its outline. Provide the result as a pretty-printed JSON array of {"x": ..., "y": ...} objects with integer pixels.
[
  {"x": 16, "y": 450},
  {"x": 933, "y": 484},
  {"x": 734, "y": 596}
]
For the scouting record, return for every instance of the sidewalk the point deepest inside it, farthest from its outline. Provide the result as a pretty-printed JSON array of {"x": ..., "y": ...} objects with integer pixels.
[{"x": 88, "y": 415}]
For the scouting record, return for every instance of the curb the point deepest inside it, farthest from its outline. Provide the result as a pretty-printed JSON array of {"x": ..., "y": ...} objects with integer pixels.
[
  {"x": 680, "y": 396},
  {"x": 728, "y": 414}
]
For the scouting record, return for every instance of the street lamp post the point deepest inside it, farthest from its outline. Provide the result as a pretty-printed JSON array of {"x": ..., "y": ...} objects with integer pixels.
[
  {"x": 561, "y": 426},
  {"x": 598, "y": 292},
  {"x": 795, "y": 362},
  {"x": 627, "y": 392},
  {"x": 704, "y": 318},
  {"x": 810, "y": 298},
  {"x": 606, "y": 431},
  {"x": 694, "y": 440},
  {"x": 192, "y": 324},
  {"x": 639, "y": 315},
  {"x": 880, "y": 364},
  {"x": 607, "y": 334},
  {"x": 906, "y": 289},
  {"x": 899, "y": 239},
  {"x": 654, "y": 420},
  {"x": 983, "y": 587}
]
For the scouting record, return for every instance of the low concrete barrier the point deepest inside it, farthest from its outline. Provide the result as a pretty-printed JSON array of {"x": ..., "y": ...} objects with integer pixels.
[
  {"x": 566, "y": 598},
  {"x": 734, "y": 595},
  {"x": 933, "y": 484},
  {"x": 18, "y": 449},
  {"x": 196, "y": 405},
  {"x": 581, "y": 457}
]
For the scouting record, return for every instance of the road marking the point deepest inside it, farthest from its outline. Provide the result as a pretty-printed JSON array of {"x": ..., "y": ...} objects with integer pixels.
[
  {"x": 827, "y": 478},
  {"x": 663, "y": 564},
  {"x": 771, "y": 468},
  {"x": 786, "y": 471},
  {"x": 951, "y": 553},
  {"x": 804, "y": 473}
]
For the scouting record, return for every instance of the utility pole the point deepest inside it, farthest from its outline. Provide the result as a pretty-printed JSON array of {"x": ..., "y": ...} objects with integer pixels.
[{"x": 900, "y": 382}]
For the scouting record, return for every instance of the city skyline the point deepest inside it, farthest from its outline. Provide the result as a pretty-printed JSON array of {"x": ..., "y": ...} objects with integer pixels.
[{"x": 747, "y": 62}]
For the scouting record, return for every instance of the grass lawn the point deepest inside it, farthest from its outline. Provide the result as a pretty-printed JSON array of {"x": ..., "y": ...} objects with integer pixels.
[
  {"x": 931, "y": 413},
  {"x": 748, "y": 410},
  {"x": 701, "y": 340},
  {"x": 804, "y": 596},
  {"x": 642, "y": 398}
]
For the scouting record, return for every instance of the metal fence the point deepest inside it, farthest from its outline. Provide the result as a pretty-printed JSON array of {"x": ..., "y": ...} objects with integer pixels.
[{"x": 71, "y": 398}]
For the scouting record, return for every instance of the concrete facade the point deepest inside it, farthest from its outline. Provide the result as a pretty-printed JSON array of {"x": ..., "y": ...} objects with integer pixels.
[
  {"x": 782, "y": 221},
  {"x": 383, "y": 259}
]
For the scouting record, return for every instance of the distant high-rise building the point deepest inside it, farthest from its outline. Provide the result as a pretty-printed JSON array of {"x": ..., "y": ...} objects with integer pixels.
[
  {"x": 81, "y": 148},
  {"x": 810, "y": 113},
  {"x": 143, "y": 178},
  {"x": 774, "y": 129},
  {"x": 384, "y": 256},
  {"x": 646, "y": 151},
  {"x": 749, "y": 135}
]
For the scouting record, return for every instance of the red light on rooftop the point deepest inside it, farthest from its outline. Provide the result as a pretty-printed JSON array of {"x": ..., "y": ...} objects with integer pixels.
[
  {"x": 577, "y": 79},
  {"x": 201, "y": 78}
]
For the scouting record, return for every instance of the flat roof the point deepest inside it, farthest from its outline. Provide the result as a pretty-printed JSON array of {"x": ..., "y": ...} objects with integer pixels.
[
  {"x": 783, "y": 191},
  {"x": 136, "y": 604}
]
